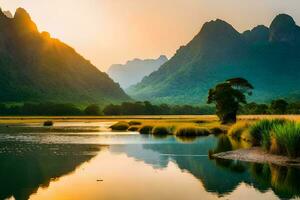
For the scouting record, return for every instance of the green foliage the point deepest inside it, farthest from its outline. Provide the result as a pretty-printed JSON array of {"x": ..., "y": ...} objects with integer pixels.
[
  {"x": 133, "y": 128},
  {"x": 48, "y": 123},
  {"x": 237, "y": 129},
  {"x": 287, "y": 136},
  {"x": 120, "y": 126},
  {"x": 227, "y": 98},
  {"x": 279, "y": 106},
  {"x": 134, "y": 123},
  {"x": 92, "y": 110},
  {"x": 261, "y": 131},
  {"x": 254, "y": 109},
  {"x": 219, "y": 51},
  {"x": 146, "y": 129},
  {"x": 192, "y": 131},
  {"x": 146, "y": 108},
  {"x": 162, "y": 130}
]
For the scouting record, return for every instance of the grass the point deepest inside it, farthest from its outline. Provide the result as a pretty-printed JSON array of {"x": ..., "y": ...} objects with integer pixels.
[
  {"x": 120, "y": 126},
  {"x": 287, "y": 137},
  {"x": 162, "y": 130},
  {"x": 147, "y": 129},
  {"x": 260, "y": 131},
  {"x": 192, "y": 131},
  {"x": 133, "y": 128},
  {"x": 238, "y": 129},
  {"x": 134, "y": 123},
  {"x": 277, "y": 136},
  {"x": 48, "y": 123}
]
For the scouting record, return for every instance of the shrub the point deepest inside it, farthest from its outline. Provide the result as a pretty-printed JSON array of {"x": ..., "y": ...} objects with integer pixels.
[
  {"x": 92, "y": 110},
  {"x": 238, "y": 128},
  {"x": 133, "y": 128},
  {"x": 162, "y": 130},
  {"x": 120, "y": 126},
  {"x": 48, "y": 123},
  {"x": 134, "y": 123},
  {"x": 260, "y": 131},
  {"x": 287, "y": 137},
  {"x": 192, "y": 131},
  {"x": 217, "y": 130},
  {"x": 146, "y": 129}
]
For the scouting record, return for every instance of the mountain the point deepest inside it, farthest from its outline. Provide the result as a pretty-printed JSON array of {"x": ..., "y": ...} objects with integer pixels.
[
  {"x": 35, "y": 67},
  {"x": 135, "y": 70},
  {"x": 269, "y": 57}
]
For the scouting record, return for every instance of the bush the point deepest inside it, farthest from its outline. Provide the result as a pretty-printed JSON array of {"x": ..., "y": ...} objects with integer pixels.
[
  {"x": 287, "y": 137},
  {"x": 192, "y": 131},
  {"x": 120, "y": 126},
  {"x": 133, "y": 128},
  {"x": 48, "y": 123},
  {"x": 146, "y": 129},
  {"x": 238, "y": 128},
  {"x": 134, "y": 123},
  {"x": 162, "y": 130},
  {"x": 217, "y": 130},
  {"x": 92, "y": 110},
  {"x": 260, "y": 131}
]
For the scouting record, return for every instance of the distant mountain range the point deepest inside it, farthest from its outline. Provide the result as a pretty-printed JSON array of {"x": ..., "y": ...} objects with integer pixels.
[
  {"x": 135, "y": 70},
  {"x": 35, "y": 67},
  {"x": 269, "y": 57}
]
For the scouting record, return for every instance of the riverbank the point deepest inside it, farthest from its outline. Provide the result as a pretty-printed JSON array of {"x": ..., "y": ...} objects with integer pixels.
[{"x": 258, "y": 155}]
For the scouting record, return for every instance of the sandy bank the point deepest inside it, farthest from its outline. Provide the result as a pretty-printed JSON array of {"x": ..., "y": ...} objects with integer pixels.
[{"x": 258, "y": 155}]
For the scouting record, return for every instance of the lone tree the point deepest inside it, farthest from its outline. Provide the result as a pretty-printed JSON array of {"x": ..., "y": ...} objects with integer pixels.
[{"x": 228, "y": 96}]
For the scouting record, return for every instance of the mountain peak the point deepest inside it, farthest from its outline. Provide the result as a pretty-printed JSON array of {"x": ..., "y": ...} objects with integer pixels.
[
  {"x": 21, "y": 13},
  {"x": 218, "y": 29},
  {"x": 284, "y": 29},
  {"x": 24, "y": 21}
]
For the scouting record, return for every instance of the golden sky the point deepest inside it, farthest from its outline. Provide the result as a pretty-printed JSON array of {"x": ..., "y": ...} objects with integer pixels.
[{"x": 113, "y": 31}]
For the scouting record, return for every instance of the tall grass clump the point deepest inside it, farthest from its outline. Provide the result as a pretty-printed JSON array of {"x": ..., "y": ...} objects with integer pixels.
[
  {"x": 192, "y": 131},
  {"x": 162, "y": 130},
  {"x": 261, "y": 131},
  {"x": 287, "y": 137},
  {"x": 147, "y": 129},
  {"x": 134, "y": 123},
  {"x": 120, "y": 126},
  {"x": 237, "y": 129}
]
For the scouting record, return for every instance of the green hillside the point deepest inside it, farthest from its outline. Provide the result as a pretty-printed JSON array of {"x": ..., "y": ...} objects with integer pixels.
[
  {"x": 35, "y": 67},
  {"x": 268, "y": 57}
]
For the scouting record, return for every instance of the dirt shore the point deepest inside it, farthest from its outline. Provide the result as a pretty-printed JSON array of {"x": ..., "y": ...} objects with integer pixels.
[{"x": 258, "y": 155}]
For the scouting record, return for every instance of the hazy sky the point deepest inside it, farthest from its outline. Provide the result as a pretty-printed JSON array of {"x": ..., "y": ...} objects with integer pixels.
[{"x": 114, "y": 31}]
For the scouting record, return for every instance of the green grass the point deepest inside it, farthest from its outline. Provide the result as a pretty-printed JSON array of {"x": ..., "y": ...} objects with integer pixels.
[
  {"x": 238, "y": 129},
  {"x": 120, "y": 126},
  {"x": 192, "y": 131},
  {"x": 260, "y": 131},
  {"x": 133, "y": 128},
  {"x": 287, "y": 137},
  {"x": 162, "y": 130},
  {"x": 134, "y": 123},
  {"x": 147, "y": 129}
]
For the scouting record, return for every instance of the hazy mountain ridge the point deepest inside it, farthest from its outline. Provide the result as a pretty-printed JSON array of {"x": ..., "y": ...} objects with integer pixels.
[
  {"x": 268, "y": 57},
  {"x": 35, "y": 67},
  {"x": 134, "y": 70}
]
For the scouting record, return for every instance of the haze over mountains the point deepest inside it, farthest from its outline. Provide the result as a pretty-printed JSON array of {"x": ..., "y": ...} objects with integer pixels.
[
  {"x": 35, "y": 67},
  {"x": 134, "y": 70},
  {"x": 269, "y": 57}
]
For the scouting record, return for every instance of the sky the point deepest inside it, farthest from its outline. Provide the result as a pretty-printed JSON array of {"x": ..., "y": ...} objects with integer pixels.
[{"x": 113, "y": 31}]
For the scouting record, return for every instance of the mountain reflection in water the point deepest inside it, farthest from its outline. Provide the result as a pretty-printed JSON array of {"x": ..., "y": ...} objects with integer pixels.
[
  {"x": 24, "y": 167},
  {"x": 131, "y": 166}
]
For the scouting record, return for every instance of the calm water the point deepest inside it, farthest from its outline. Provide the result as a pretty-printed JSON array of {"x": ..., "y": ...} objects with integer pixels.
[{"x": 86, "y": 161}]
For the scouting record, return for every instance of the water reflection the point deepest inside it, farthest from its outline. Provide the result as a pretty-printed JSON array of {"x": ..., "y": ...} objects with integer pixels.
[
  {"x": 218, "y": 176},
  {"x": 24, "y": 167},
  {"x": 50, "y": 166}
]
